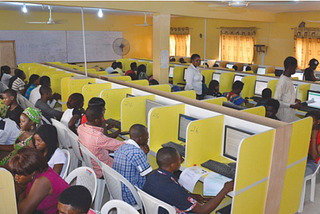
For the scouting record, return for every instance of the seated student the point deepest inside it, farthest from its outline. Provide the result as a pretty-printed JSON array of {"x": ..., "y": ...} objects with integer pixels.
[
  {"x": 9, "y": 131},
  {"x": 30, "y": 119},
  {"x": 142, "y": 72},
  {"x": 18, "y": 83},
  {"x": 133, "y": 70},
  {"x": 45, "y": 139},
  {"x": 37, "y": 185},
  {"x": 314, "y": 147},
  {"x": 181, "y": 60},
  {"x": 133, "y": 76},
  {"x": 272, "y": 107},
  {"x": 215, "y": 65},
  {"x": 111, "y": 68},
  {"x": 118, "y": 68},
  {"x": 35, "y": 93},
  {"x": 34, "y": 81},
  {"x": 153, "y": 82},
  {"x": 309, "y": 72},
  {"x": 5, "y": 74},
  {"x": 92, "y": 137},
  {"x": 235, "y": 67},
  {"x": 131, "y": 162},
  {"x": 72, "y": 116},
  {"x": 162, "y": 184},
  {"x": 266, "y": 95},
  {"x": 172, "y": 59},
  {"x": 248, "y": 68},
  {"x": 42, "y": 104},
  {"x": 234, "y": 95},
  {"x": 75, "y": 200},
  {"x": 214, "y": 89},
  {"x": 14, "y": 109}
]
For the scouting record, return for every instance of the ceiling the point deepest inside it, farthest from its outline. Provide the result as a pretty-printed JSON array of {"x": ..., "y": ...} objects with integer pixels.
[
  {"x": 62, "y": 9},
  {"x": 274, "y": 6}
]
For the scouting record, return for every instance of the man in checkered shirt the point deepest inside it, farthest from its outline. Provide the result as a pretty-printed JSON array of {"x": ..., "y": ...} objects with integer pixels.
[{"x": 130, "y": 160}]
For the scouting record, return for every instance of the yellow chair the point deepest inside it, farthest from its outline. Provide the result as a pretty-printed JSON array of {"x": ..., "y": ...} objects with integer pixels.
[
  {"x": 178, "y": 75},
  {"x": 208, "y": 76},
  {"x": 303, "y": 92},
  {"x": 272, "y": 84}
]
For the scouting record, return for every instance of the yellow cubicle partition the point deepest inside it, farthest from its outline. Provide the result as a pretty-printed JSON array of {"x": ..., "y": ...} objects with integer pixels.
[
  {"x": 113, "y": 99},
  {"x": 163, "y": 126},
  {"x": 25, "y": 66},
  {"x": 178, "y": 74},
  {"x": 272, "y": 84},
  {"x": 55, "y": 63},
  {"x": 260, "y": 110},
  {"x": 249, "y": 84},
  {"x": 55, "y": 79},
  {"x": 7, "y": 193},
  {"x": 218, "y": 101},
  {"x": 191, "y": 94},
  {"x": 150, "y": 69},
  {"x": 50, "y": 73},
  {"x": 124, "y": 78},
  {"x": 208, "y": 76},
  {"x": 40, "y": 70},
  {"x": 162, "y": 87},
  {"x": 296, "y": 165},
  {"x": 133, "y": 111},
  {"x": 93, "y": 90},
  {"x": 127, "y": 64},
  {"x": 31, "y": 70},
  {"x": 226, "y": 81},
  {"x": 303, "y": 92},
  {"x": 140, "y": 82},
  {"x": 89, "y": 70}
]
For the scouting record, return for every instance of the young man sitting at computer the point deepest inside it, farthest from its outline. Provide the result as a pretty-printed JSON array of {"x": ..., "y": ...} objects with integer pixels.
[
  {"x": 163, "y": 185},
  {"x": 234, "y": 95}
]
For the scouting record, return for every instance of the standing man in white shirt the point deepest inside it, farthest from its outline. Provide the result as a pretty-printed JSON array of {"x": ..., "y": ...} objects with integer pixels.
[
  {"x": 193, "y": 76},
  {"x": 285, "y": 92}
]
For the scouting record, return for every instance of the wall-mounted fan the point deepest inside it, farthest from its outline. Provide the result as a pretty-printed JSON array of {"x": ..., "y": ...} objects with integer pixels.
[
  {"x": 121, "y": 46},
  {"x": 145, "y": 24},
  {"x": 50, "y": 21}
]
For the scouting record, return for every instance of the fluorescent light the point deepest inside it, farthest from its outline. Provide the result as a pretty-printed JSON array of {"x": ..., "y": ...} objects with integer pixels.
[
  {"x": 24, "y": 9},
  {"x": 100, "y": 13}
]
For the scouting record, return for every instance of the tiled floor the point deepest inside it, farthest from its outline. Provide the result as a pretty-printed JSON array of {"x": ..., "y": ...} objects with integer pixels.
[{"x": 309, "y": 207}]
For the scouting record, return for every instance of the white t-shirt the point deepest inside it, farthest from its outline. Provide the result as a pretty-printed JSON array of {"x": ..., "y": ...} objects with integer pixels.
[
  {"x": 193, "y": 79},
  {"x": 5, "y": 79},
  {"x": 66, "y": 117},
  {"x": 58, "y": 157},
  {"x": 109, "y": 70},
  {"x": 9, "y": 131}
]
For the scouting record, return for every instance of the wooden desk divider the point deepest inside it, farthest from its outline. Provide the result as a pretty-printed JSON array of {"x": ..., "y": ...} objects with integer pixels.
[
  {"x": 217, "y": 101},
  {"x": 259, "y": 110},
  {"x": 93, "y": 90},
  {"x": 133, "y": 111},
  {"x": 113, "y": 99}
]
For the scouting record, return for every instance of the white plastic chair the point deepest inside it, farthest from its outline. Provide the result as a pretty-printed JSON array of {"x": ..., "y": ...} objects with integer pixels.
[
  {"x": 311, "y": 177},
  {"x": 151, "y": 204},
  {"x": 21, "y": 101},
  {"x": 64, "y": 142},
  {"x": 85, "y": 177},
  {"x": 67, "y": 154},
  {"x": 86, "y": 154},
  {"x": 75, "y": 148},
  {"x": 121, "y": 207},
  {"x": 114, "y": 180}
]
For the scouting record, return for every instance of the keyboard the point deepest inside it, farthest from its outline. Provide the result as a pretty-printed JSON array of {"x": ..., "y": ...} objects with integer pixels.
[
  {"x": 181, "y": 149},
  {"x": 227, "y": 170},
  {"x": 256, "y": 99},
  {"x": 225, "y": 210},
  {"x": 110, "y": 121}
]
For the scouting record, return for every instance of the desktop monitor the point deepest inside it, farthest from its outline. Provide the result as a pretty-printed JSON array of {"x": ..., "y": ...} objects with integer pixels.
[
  {"x": 184, "y": 121},
  {"x": 130, "y": 95},
  {"x": 237, "y": 77},
  {"x": 184, "y": 74},
  {"x": 232, "y": 140},
  {"x": 171, "y": 68},
  {"x": 229, "y": 66},
  {"x": 216, "y": 76},
  {"x": 261, "y": 70},
  {"x": 260, "y": 85},
  {"x": 278, "y": 72},
  {"x": 315, "y": 96},
  {"x": 149, "y": 105}
]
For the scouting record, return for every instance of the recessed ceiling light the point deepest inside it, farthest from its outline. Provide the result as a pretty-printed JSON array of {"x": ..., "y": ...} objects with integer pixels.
[
  {"x": 100, "y": 13},
  {"x": 24, "y": 9}
]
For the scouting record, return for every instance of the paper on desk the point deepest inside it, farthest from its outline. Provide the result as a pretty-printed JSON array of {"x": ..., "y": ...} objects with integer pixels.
[
  {"x": 190, "y": 176},
  {"x": 214, "y": 183}
]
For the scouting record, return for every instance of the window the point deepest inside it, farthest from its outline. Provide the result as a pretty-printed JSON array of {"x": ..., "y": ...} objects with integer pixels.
[
  {"x": 179, "y": 42},
  {"x": 307, "y": 45},
  {"x": 237, "y": 44}
]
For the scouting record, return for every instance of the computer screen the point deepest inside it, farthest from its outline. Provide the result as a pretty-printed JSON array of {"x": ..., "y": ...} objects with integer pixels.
[
  {"x": 315, "y": 96},
  {"x": 184, "y": 74},
  {"x": 149, "y": 105},
  {"x": 260, "y": 85},
  {"x": 261, "y": 70},
  {"x": 299, "y": 75},
  {"x": 232, "y": 140},
  {"x": 229, "y": 65},
  {"x": 130, "y": 95},
  {"x": 296, "y": 88},
  {"x": 184, "y": 121},
  {"x": 216, "y": 76},
  {"x": 237, "y": 77},
  {"x": 171, "y": 68}
]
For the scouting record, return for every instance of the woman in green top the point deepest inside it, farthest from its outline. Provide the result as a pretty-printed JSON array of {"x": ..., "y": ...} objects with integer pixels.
[{"x": 29, "y": 118}]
